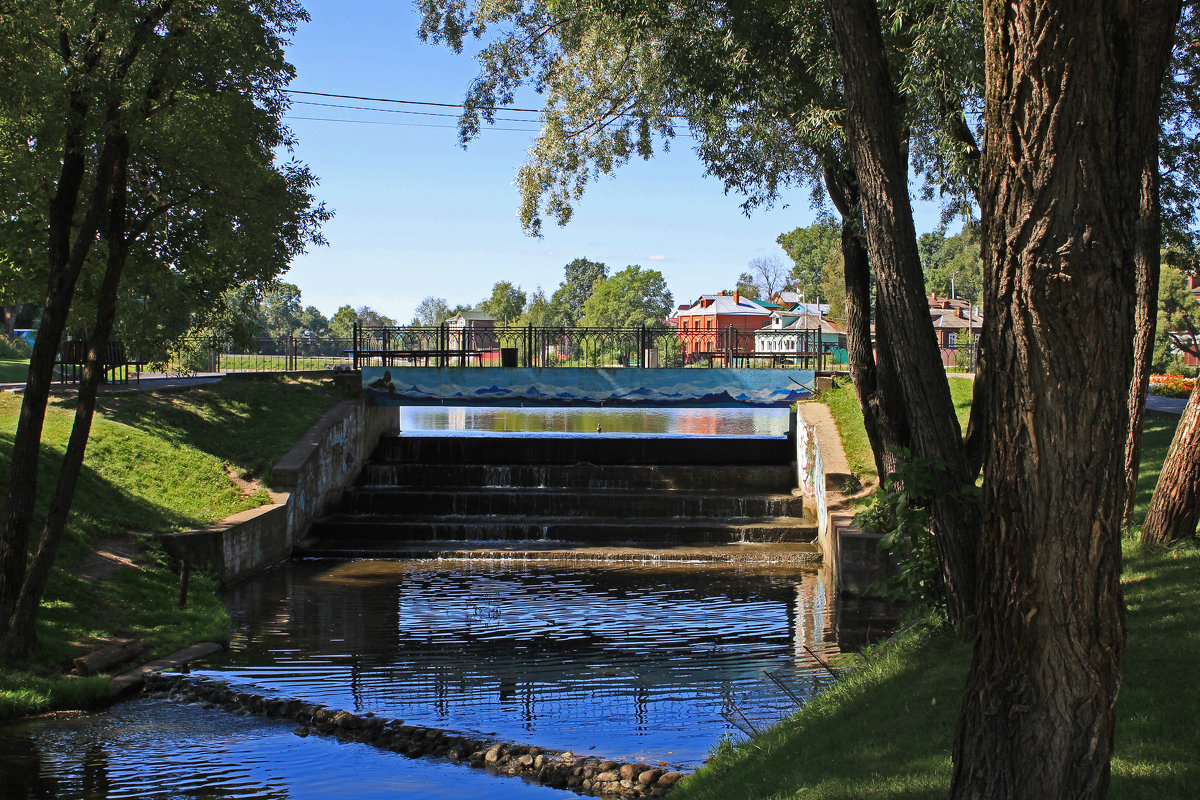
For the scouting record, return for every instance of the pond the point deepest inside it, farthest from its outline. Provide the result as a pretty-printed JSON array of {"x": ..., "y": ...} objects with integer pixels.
[{"x": 654, "y": 662}]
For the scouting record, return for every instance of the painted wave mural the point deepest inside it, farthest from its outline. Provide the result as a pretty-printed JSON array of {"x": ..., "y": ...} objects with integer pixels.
[{"x": 482, "y": 386}]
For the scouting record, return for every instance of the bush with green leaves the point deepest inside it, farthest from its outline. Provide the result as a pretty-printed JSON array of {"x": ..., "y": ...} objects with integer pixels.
[
  {"x": 12, "y": 347},
  {"x": 900, "y": 512}
]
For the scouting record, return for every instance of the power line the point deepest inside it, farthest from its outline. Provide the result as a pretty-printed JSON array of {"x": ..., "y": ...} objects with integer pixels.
[
  {"x": 408, "y": 102},
  {"x": 433, "y": 104},
  {"x": 398, "y": 111},
  {"x": 404, "y": 124}
]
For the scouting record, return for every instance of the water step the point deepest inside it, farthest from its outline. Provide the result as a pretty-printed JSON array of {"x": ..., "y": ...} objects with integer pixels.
[
  {"x": 346, "y": 529},
  {"x": 771, "y": 478},
  {"x": 566, "y": 503},
  {"x": 588, "y": 449},
  {"x": 560, "y": 552}
]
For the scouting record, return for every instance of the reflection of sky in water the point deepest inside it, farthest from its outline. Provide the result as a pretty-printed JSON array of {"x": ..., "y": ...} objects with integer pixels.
[
  {"x": 650, "y": 661},
  {"x": 692, "y": 421},
  {"x": 161, "y": 749},
  {"x": 633, "y": 661}
]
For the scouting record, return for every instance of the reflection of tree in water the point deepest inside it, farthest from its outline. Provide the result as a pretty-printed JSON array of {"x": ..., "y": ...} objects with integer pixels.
[
  {"x": 144, "y": 749},
  {"x": 23, "y": 772},
  {"x": 95, "y": 771}
]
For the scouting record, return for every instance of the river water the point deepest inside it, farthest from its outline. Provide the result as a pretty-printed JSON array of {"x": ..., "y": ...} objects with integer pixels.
[{"x": 653, "y": 661}]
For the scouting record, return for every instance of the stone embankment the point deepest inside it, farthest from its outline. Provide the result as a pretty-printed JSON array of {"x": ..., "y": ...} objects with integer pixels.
[{"x": 554, "y": 768}]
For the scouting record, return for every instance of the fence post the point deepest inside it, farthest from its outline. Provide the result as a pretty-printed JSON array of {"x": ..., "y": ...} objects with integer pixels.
[
  {"x": 529, "y": 344},
  {"x": 354, "y": 344}
]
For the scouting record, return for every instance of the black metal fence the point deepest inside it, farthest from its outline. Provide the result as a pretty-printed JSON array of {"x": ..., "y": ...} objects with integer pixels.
[
  {"x": 639, "y": 347},
  {"x": 201, "y": 354},
  {"x": 524, "y": 346}
]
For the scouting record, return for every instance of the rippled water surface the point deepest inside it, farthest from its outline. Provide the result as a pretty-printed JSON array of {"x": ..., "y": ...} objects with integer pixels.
[
  {"x": 661, "y": 421},
  {"x": 649, "y": 661},
  {"x": 646, "y": 661},
  {"x": 159, "y": 749}
]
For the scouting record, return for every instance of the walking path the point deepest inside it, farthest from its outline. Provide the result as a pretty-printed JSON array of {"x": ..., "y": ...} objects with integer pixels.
[{"x": 150, "y": 381}]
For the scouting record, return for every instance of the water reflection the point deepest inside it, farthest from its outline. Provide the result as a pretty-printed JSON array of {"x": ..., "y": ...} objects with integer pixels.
[
  {"x": 688, "y": 421},
  {"x": 161, "y": 749},
  {"x": 649, "y": 661}
]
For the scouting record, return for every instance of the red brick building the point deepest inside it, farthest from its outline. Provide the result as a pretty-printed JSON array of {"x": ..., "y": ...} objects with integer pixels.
[{"x": 704, "y": 327}]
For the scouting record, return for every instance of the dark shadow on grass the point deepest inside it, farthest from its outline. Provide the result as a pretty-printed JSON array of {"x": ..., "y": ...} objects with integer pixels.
[
  {"x": 250, "y": 423},
  {"x": 100, "y": 508}
]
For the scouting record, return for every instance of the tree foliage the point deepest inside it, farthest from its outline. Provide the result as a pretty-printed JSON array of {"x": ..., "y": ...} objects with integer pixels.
[
  {"x": 506, "y": 303},
  {"x": 633, "y": 296},
  {"x": 140, "y": 141},
  {"x": 953, "y": 265},
  {"x": 431, "y": 311},
  {"x": 580, "y": 277},
  {"x": 809, "y": 248}
]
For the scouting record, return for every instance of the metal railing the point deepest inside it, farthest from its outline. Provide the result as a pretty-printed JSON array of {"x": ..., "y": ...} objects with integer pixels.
[
  {"x": 200, "y": 354},
  {"x": 510, "y": 346},
  {"x": 638, "y": 347}
]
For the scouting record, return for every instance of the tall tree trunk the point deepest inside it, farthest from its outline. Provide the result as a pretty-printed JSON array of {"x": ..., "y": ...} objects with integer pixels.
[
  {"x": 66, "y": 252},
  {"x": 1175, "y": 507},
  {"x": 903, "y": 327},
  {"x": 874, "y": 385},
  {"x": 1148, "y": 263},
  {"x": 21, "y": 634},
  {"x": 1071, "y": 114}
]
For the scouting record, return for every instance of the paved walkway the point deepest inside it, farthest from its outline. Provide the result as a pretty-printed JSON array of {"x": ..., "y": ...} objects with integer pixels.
[
  {"x": 1166, "y": 405},
  {"x": 150, "y": 382}
]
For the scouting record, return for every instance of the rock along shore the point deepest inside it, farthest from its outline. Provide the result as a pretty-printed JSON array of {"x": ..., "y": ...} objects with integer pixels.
[{"x": 554, "y": 768}]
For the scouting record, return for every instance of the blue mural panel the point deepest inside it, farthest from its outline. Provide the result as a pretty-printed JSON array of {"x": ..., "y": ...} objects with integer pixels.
[{"x": 583, "y": 386}]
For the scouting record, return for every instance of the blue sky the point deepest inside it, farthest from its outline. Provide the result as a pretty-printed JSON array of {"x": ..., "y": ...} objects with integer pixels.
[{"x": 418, "y": 215}]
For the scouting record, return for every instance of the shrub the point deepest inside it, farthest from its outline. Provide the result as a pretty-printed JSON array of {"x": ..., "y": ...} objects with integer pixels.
[
  {"x": 1171, "y": 385},
  {"x": 12, "y": 347}
]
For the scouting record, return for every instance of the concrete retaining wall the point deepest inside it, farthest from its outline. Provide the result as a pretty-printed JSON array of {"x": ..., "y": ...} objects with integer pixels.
[
  {"x": 306, "y": 483},
  {"x": 850, "y": 555}
]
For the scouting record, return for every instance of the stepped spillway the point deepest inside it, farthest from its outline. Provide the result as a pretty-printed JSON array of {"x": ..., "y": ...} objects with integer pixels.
[{"x": 428, "y": 495}]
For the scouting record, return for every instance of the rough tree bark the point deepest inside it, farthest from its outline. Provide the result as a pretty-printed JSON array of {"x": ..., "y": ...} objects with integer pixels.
[
  {"x": 1175, "y": 507},
  {"x": 874, "y": 384},
  {"x": 1148, "y": 263},
  {"x": 903, "y": 328},
  {"x": 1071, "y": 116}
]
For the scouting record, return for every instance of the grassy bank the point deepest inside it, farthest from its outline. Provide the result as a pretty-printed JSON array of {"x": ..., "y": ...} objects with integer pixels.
[
  {"x": 886, "y": 730},
  {"x": 847, "y": 415},
  {"x": 156, "y": 462},
  {"x": 13, "y": 370}
]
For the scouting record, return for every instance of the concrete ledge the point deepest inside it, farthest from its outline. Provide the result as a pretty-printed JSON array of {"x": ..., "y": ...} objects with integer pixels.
[{"x": 308, "y": 482}]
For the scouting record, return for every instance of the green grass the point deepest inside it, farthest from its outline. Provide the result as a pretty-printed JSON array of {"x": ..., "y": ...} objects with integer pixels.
[
  {"x": 886, "y": 730},
  {"x": 156, "y": 462},
  {"x": 13, "y": 370},
  {"x": 847, "y": 415}
]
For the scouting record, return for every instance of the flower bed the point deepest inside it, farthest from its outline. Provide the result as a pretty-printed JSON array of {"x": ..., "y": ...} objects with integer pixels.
[{"x": 1171, "y": 385}]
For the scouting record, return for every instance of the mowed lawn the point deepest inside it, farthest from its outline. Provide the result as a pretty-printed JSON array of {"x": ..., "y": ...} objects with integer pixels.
[{"x": 886, "y": 729}]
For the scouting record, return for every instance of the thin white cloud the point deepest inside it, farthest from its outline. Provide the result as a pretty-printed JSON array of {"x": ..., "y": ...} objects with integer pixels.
[{"x": 658, "y": 258}]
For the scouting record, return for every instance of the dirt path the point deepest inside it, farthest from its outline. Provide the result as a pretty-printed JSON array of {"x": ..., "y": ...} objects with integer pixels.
[{"x": 108, "y": 556}]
